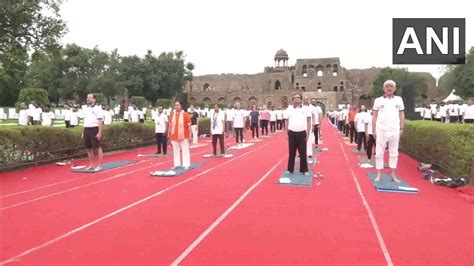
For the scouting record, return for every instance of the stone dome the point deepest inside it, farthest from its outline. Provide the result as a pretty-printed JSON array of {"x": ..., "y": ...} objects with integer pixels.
[{"x": 281, "y": 55}]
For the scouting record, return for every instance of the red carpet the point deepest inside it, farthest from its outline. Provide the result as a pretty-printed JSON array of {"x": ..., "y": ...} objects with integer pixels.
[{"x": 115, "y": 222}]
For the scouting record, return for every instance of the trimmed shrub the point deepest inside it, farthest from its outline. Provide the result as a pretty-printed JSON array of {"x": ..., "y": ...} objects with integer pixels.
[
  {"x": 166, "y": 103},
  {"x": 38, "y": 95},
  {"x": 204, "y": 126},
  {"x": 447, "y": 146},
  {"x": 139, "y": 101},
  {"x": 32, "y": 145}
]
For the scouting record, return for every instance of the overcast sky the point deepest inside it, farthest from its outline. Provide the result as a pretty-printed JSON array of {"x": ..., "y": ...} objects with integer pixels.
[{"x": 242, "y": 36}]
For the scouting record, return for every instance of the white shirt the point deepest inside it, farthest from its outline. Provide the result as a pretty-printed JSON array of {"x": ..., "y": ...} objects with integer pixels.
[
  {"x": 369, "y": 127},
  {"x": 117, "y": 109},
  {"x": 469, "y": 112},
  {"x": 92, "y": 114},
  {"x": 134, "y": 115},
  {"x": 438, "y": 114},
  {"x": 154, "y": 114},
  {"x": 108, "y": 117},
  {"x": 279, "y": 115},
  {"x": 317, "y": 111},
  {"x": 67, "y": 114},
  {"x": 426, "y": 113},
  {"x": 297, "y": 119},
  {"x": 36, "y": 114},
  {"x": 229, "y": 115},
  {"x": 126, "y": 115},
  {"x": 453, "y": 109},
  {"x": 388, "y": 113},
  {"x": 285, "y": 114},
  {"x": 23, "y": 118},
  {"x": 217, "y": 122},
  {"x": 361, "y": 119},
  {"x": 47, "y": 119},
  {"x": 239, "y": 116},
  {"x": 141, "y": 115},
  {"x": 273, "y": 117},
  {"x": 160, "y": 122},
  {"x": 442, "y": 110},
  {"x": 74, "y": 119}
]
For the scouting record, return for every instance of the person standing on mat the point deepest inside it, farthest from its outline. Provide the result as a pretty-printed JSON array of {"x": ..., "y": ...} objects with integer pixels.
[
  {"x": 264, "y": 118},
  {"x": 254, "y": 115},
  {"x": 229, "y": 120},
  {"x": 273, "y": 120},
  {"x": 92, "y": 132},
  {"x": 194, "y": 124},
  {"x": 387, "y": 122},
  {"x": 371, "y": 139},
  {"x": 299, "y": 128},
  {"x": 317, "y": 115},
  {"x": 180, "y": 135},
  {"x": 361, "y": 121},
  {"x": 279, "y": 118},
  {"x": 238, "y": 124},
  {"x": 161, "y": 129},
  {"x": 217, "y": 129}
]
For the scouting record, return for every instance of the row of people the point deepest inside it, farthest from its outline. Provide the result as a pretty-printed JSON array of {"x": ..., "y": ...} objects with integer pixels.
[{"x": 452, "y": 112}]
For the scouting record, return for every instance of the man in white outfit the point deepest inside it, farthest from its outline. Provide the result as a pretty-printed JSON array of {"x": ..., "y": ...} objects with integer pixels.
[
  {"x": 387, "y": 122},
  {"x": 310, "y": 109}
]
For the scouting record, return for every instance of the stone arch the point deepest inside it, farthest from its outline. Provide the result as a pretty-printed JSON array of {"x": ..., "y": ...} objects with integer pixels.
[
  {"x": 364, "y": 100},
  {"x": 205, "y": 87},
  {"x": 304, "y": 71},
  {"x": 206, "y": 100},
  {"x": 192, "y": 100},
  {"x": 237, "y": 99},
  {"x": 335, "y": 70},
  {"x": 322, "y": 105},
  {"x": 319, "y": 70},
  {"x": 252, "y": 101},
  {"x": 221, "y": 100},
  {"x": 277, "y": 85}
]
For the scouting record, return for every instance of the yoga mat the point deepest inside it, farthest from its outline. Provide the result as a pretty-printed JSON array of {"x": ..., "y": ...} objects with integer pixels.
[
  {"x": 387, "y": 185},
  {"x": 152, "y": 155},
  {"x": 175, "y": 172},
  {"x": 227, "y": 155},
  {"x": 195, "y": 146},
  {"x": 296, "y": 179},
  {"x": 355, "y": 151},
  {"x": 365, "y": 160},
  {"x": 105, "y": 166},
  {"x": 244, "y": 145},
  {"x": 313, "y": 161},
  {"x": 319, "y": 149}
]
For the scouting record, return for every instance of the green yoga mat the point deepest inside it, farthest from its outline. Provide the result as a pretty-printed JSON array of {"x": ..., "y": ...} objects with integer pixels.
[
  {"x": 175, "y": 172},
  {"x": 227, "y": 155},
  {"x": 387, "y": 185},
  {"x": 296, "y": 179},
  {"x": 105, "y": 166}
]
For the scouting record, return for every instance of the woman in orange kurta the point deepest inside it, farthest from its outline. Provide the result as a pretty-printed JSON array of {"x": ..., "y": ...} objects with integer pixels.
[{"x": 180, "y": 133}]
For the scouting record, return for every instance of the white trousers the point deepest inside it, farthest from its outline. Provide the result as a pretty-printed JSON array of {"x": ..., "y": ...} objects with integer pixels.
[
  {"x": 181, "y": 146},
  {"x": 194, "y": 129},
  {"x": 309, "y": 144},
  {"x": 392, "y": 137}
]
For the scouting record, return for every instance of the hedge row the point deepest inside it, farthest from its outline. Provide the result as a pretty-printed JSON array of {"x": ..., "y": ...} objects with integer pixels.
[
  {"x": 26, "y": 146},
  {"x": 447, "y": 146}
]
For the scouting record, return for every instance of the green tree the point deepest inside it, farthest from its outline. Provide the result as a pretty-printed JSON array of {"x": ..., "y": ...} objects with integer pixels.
[
  {"x": 463, "y": 77},
  {"x": 30, "y": 24},
  {"x": 46, "y": 71},
  {"x": 38, "y": 95},
  {"x": 13, "y": 67},
  {"x": 410, "y": 86}
]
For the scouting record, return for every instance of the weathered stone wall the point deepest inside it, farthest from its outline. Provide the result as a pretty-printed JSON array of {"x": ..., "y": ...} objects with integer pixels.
[{"x": 276, "y": 85}]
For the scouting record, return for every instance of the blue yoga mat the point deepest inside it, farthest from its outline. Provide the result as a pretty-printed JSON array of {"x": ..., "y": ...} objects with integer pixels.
[
  {"x": 296, "y": 179},
  {"x": 387, "y": 185},
  {"x": 313, "y": 161},
  {"x": 175, "y": 172},
  {"x": 106, "y": 166}
]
